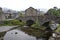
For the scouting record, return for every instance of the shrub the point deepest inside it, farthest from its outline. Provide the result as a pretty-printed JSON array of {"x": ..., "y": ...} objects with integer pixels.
[
  {"x": 22, "y": 23},
  {"x": 58, "y": 29},
  {"x": 12, "y": 22},
  {"x": 15, "y": 22},
  {"x": 35, "y": 25},
  {"x": 7, "y": 23}
]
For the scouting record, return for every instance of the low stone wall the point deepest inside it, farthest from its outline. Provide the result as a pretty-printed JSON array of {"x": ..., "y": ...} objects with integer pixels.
[{"x": 56, "y": 36}]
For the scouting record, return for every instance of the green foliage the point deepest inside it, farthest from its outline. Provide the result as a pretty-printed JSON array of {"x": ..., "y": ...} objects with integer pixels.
[
  {"x": 38, "y": 26},
  {"x": 58, "y": 12},
  {"x": 6, "y": 23},
  {"x": 22, "y": 23},
  {"x": 58, "y": 29},
  {"x": 15, "y": 22},
  {"x": 35, "y": 26},
  {"x": 12, "y": 23},
  {"x": 54, "y": 11},
  {"x": 2, "y": 34}
]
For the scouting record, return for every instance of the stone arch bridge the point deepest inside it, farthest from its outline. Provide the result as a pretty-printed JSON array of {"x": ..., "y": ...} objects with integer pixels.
[{"x": 41, "y": 19}]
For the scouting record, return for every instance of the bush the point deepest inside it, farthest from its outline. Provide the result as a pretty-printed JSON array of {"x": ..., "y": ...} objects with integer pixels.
[
  {"x": 15, "y": 22},
  {"x": 22, "y": 23},
  {"x": 12, "y": 22},
  {"x": 2, "y": 34},
  {"x": 58, "y": 29},
  {"x": 7, "y": 22},
  {"x": 35, "y": 26}
]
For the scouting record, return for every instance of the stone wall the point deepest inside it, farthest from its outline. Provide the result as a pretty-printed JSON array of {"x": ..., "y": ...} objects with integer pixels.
[
  {"x": 41, "y": 19},
  {"x": 31, "y": 12}
]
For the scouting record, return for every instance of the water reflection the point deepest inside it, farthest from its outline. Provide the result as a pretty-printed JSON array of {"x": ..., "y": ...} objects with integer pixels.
[{"x": 18, "y": 35}]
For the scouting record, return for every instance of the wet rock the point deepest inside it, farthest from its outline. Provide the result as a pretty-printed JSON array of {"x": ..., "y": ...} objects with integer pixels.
[{"x": 16, "y": 32}]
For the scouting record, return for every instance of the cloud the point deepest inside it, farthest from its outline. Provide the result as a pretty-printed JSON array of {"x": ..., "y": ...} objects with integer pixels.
[{"x": 23, "y": 4}]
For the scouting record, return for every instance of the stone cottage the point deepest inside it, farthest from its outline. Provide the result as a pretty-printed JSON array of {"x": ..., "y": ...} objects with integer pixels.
[
  {"x": 31, "y": 12},
  {"x": 8, "y": 14}
]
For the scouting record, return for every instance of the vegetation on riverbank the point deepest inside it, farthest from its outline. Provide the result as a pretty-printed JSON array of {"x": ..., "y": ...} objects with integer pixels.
[
  {"x": 2, "y": 34},
  {"x": 12, "y": 23},
  {"x": 35, "y": 30},
  {"x": 38, "y": 30},
  {"x": 58, "y": 29}
]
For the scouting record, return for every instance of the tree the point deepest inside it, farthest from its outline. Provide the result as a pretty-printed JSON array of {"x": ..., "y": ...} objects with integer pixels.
[
  {"x": 58, "y": 12},
  {"x": 53, "y": 11}
]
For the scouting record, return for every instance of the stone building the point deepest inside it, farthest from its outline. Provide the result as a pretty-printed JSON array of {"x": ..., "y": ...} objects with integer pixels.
[
  {"x": 31, "y": 12},
  {"x": 31, "y": 15},
  {"x": 8, "y": 14}
]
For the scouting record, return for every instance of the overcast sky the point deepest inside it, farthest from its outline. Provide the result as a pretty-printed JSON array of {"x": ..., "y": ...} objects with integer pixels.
[{"x": 24, "y": 4}]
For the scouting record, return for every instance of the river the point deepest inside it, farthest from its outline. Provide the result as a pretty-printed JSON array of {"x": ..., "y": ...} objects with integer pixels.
[{"x": 16, "y": 34}]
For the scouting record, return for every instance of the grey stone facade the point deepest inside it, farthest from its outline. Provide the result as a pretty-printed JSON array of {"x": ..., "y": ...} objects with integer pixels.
[
  {"x": 8, "y": 14},
  {"x": 29, "y": 15},
  {"x": 31, "y": 12}
]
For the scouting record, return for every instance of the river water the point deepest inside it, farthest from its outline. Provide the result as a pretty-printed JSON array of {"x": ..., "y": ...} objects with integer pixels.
[{"x": 18, "y": 35}]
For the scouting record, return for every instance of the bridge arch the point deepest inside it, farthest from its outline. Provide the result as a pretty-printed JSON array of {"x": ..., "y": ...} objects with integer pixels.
[
  {"x": 30, "y": 22},
  {"x": 20, "y": 20}
]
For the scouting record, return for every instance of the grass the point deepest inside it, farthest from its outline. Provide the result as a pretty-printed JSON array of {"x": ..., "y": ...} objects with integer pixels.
[{"x": 12, "y": 23}]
